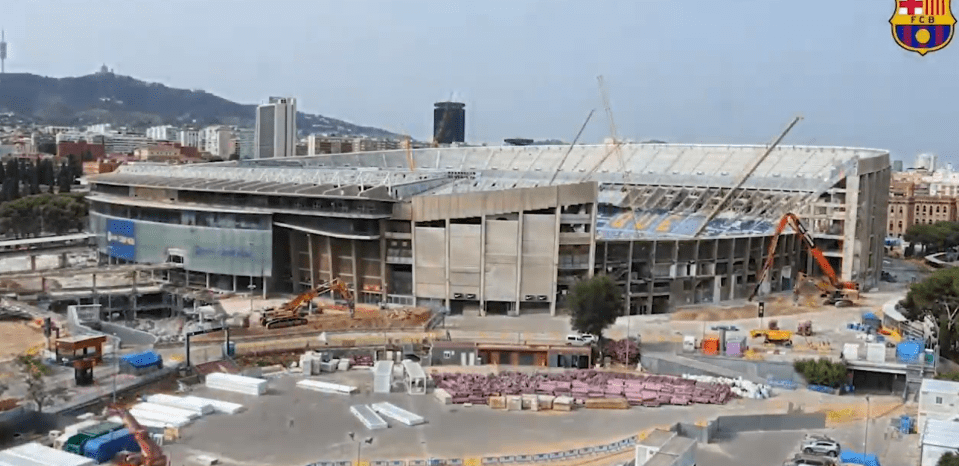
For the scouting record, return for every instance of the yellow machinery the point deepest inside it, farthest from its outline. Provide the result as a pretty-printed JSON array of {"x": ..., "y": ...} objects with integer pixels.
[{"x": 288, "y": 315}]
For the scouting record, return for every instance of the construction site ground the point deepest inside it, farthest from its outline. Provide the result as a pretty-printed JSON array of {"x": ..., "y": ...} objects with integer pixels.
[{"x": 295, "y": 426}]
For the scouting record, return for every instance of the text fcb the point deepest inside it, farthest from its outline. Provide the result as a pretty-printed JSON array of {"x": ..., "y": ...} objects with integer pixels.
[{"x": 923, "y": 26}]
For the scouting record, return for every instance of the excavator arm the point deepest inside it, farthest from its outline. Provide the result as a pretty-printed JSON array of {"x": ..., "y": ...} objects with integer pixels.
[
  {"x": 807, "y": 239},
  {"x": 150, "y": 453}
]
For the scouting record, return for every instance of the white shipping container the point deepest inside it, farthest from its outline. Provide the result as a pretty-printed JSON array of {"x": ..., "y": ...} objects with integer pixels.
[{"x": 876, "y": 352}]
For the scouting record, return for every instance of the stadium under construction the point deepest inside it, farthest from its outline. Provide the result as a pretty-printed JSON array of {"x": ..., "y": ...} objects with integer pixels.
[{"x": 503, "y": 229}]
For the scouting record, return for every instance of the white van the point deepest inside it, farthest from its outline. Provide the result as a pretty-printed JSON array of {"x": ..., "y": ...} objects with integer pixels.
[{"x": 580, "y": 339}]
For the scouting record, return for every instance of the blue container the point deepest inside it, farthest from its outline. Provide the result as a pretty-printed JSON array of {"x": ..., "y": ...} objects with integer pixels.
[
  {"x": 905, "y": 424},
  {"x": 852, "y": 457},
  {"x": 143, "y": 360},
  {"x": 105, "y": 447},
  {"x": 909, "y": 351}
]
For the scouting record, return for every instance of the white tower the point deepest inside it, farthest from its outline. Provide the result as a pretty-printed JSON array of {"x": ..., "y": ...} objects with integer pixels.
[{"x": 3, "y": 51}]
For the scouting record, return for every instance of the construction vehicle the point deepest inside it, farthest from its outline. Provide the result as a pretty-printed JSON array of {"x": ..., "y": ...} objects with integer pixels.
[
  {"x": 289, "y": 315},
  {"x": 150, "y": 453},
  {"x": 773, "y": 334},
  {"x": 835, "y": 291},
  {"x": 804, "y": 328}
]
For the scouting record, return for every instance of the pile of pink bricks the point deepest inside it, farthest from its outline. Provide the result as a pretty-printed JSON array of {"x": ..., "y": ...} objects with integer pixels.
[
  {"x": 361, "y": 360},
  {"x": 651, "y": 390}
]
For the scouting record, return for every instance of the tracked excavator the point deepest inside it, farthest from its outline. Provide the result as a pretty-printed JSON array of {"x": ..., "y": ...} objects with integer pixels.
[
  {"x": 834, "y": 291},
  {"x": 288, "y": 315},
  {"x": 150, "y": 453}
]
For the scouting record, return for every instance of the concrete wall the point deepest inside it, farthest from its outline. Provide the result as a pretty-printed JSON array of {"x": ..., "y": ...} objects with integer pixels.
[
  {"x": 728, "y": 426},
  {"x": 754, "y": 369}
]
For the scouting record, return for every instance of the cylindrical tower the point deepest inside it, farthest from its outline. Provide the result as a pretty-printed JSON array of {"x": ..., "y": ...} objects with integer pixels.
[{"x": 449, "y": 122}]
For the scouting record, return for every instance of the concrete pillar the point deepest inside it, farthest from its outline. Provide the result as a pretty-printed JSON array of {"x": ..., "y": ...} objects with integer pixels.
[
  {"x": 413, "y": 248},
  {"x": 33, "y": 262},
  {"x": 850, "y": 243},
  {"x": 629, "y": 277},
  {"x": 295, "y": 262},
  {"x": 552, "y": 297},
  {"x": 383, "y": 246},
  {"x": 309, "y": 249},
  {"x": 63, "y": 260},
  {"x": 482, "y": 290},
  {"x": 592, "y": 240},
  {"x": 208, "y": 279},
  {"x": 519, "y": 264},
  {"x": 234, "y": 283},
  {"x": 357, "y": 280},
  {"x": 446, "y": 260},
  {"x": 329, "y": 254}
]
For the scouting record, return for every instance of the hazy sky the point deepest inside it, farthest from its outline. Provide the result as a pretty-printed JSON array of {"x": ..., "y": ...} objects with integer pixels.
[{"x": 704, "y": 71}]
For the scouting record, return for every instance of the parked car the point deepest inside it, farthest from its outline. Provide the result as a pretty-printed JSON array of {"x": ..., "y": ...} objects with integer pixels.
[
  {"x": 820, "y": 445},
  {"x": 582, "y": 339},
  {"x": 806, "y": 460}
]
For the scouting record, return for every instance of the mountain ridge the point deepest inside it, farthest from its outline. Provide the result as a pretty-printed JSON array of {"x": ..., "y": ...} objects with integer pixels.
[{"x": 120, "y": 100}]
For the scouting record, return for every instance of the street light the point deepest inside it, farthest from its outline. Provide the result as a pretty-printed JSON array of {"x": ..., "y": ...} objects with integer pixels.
[
  {"x": 865, "y": 440},
  {"x": 359, "y": 445}
]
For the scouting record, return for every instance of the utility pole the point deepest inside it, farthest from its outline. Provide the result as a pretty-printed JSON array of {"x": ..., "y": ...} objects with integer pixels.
[{"x": 865, "y": 440}]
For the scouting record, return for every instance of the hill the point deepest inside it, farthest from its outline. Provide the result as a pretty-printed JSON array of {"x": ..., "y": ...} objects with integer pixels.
[{"x": 126, "y": 101}]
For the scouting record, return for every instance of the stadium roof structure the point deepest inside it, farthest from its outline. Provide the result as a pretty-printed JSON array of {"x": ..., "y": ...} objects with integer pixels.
[{"x": 645, "y": 190}]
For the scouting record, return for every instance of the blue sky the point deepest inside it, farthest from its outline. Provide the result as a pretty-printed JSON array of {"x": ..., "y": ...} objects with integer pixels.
[{"x": 701, "y": 71}]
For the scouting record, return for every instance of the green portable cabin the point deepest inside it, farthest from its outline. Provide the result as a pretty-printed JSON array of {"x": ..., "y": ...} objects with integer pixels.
[{"x": 75, "y": 444}]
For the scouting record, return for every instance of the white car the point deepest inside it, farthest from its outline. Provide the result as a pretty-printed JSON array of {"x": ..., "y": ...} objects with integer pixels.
[{"x": 581, "y": 339}]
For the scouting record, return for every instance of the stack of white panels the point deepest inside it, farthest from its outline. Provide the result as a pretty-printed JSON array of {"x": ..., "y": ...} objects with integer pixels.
[
  {"x": 200, "y": 408},
  {"x": 382, "y": 376},
  {"x": 222, "y": 407},
  {"x": 395, "y": 412},
  {"x": 145, "y": 422},
  {"x": 326, "y": 387},
  {"x": 369, "y": 418},
  {"x": 153, "y": 418},
  {"x": 236, "y": 383},
  {"x": 36, "y": 454},
  {"x": 306, "y": 364},
  {"x": 166, "y": 410}
]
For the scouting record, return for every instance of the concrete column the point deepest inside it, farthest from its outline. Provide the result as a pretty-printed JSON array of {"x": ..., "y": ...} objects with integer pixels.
[
  {"x": 482, "y": 290},
  {"x": 629, "y": 277},
  {"x": 329, "y": 254},
  {"x": 234, "y": 283},
  {"x": 552, "y": 297},
  {"x": 208, "y": 279},
  {"x": 446, "y": 260},
  {"x": 295, "y": 261},
  {"x": 63, "y": 260},
  {"x": 592, "y": 240},
  {"x": 357, "y": 279},
  {"x": 519, "y": 264},
  {"x": 413, "y": 268},
  {"x": 33, "y": 262},
  {"x": 309, "y": 248},
  {"x": 850, "y": 239},
  {"x": 383, "y": 246}
]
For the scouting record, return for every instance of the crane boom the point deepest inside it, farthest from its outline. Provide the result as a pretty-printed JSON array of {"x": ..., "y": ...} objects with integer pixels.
[
  {"x": 288, "y": 315},
  {"x": 150, "y": 453}
]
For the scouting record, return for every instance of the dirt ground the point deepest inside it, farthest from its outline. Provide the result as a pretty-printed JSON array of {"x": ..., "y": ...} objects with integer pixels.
[
  {"x": 16, "y": 337},
  {"x": 779, "y": 306}
]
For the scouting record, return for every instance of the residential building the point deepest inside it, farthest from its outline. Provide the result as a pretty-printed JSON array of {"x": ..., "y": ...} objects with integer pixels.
[
  {"x": 101, "y": 128},
  {"x": 275, "y": 128},
  {"x": 938, "y": 438},
  {"x": 81, "y": 149},
  {"x": 926, "y": 162},
  {"x": 190, "y": 138},
  {"x": 54, "y": 130},
  {"x": 163, "y": 133},
  {"x": 166, "y": 153},
  {"x": 244, "y": 138},
  {"x": 321, "y": 144},
  {"x": 938, "y": 399},
  {"x": 124, "y": 143},
  {"x": 217, "y": 141}
]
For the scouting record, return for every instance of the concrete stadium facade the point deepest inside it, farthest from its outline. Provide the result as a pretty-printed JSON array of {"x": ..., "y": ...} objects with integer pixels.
[{"x": 503, "y": 229}]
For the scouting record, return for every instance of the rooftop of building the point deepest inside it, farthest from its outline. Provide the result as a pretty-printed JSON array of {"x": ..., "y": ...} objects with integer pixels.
[{"x": 667, "y": 187}]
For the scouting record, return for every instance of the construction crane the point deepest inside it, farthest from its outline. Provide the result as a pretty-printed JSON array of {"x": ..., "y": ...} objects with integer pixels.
[
  {"x": 288, "y": 315},
  {"x": 836, "y": 291},
  {"x": 150, "y": 453},
  {"x": 612, "y": 128}
]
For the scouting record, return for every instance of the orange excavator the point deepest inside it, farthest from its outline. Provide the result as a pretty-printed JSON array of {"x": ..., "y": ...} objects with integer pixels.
[
  {"x": 288, "y": 315},
  {"x": 835, "y": 291},
  {"x": 150, "y": 453}
]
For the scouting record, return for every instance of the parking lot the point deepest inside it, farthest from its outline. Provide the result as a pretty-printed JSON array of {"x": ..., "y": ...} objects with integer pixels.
[{"x": 320, "y": 424}]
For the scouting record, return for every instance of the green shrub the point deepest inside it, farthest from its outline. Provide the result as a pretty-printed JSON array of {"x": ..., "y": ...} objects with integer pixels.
[{"x": 822, "y": 371}]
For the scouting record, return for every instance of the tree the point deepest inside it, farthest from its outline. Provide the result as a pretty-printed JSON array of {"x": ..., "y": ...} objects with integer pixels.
[
  {"x": 11, "y": 183},
  {"x": 47, "y": 148},
  {"x": 822, "y": 371},
  {"x": 35, "y": 370},
  {"x": 937, "y": 297},
  {"x": 595, "y": 304},
  {"x": 48, "y": 174},
  {"x": 948, "y": 459},
  {"x": 64, "y": 178},
  {"x": 934, "y": 237},
  {"x": 76, "y": 168}
]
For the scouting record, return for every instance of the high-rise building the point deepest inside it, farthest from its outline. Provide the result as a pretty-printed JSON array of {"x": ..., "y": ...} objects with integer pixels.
[
  {"x": 275, "y": 128},
  {"x": 190, "y": 138},
  {"x": 163, "y": 133},
  {"x": 449, "y": 122},
  {"x": 216, "y": 140},
  {"x": 926, "y": 162}
]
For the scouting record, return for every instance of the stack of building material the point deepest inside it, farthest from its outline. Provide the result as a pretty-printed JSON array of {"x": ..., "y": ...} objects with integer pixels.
[
  {"x": 563, "y": 403},
  {"x": 368, "y": 417},
  {"x": 343, "y": 365},
  {"x": 850, "y": 351},
  {"x": 546, "y": 402},
  {"x": 362, "y": 360},
  {"x": 326, "y": 387},
  {"x": 514, "y": 403},
  {"x": 383, "y": 377},
  {"x": 329, "y": 366},
  {"x": 199, "y": 407},
  {"x": 607, "y": 403},
  {"x": 495, "y": 402},
  {"x": 876, "y": 352},
  {"x": 443, "y": 396},
  {"x": 71, "y": 430},
  {"x": 105, "y": 447},
  {"x": 222, "y": 407},
  {"x": 37, "y": 454},
  {"x": 140, "y": 363},
  {"x": 307, "y": 360},
  {"x": 399, "y": 414},
  {"x": 166, "y": 410},
  {"x": 236, "y": 383}
]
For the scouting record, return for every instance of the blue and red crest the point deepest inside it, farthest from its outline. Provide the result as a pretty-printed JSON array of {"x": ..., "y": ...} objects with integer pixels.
[{"x": 923, "y": 26}]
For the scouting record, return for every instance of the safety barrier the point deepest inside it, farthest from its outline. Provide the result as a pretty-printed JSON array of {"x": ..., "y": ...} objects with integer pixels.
[
  {"x": 787, "y": 384},
  {"x": 821, "y": 389},
  {"x": 546, "y": 457}
]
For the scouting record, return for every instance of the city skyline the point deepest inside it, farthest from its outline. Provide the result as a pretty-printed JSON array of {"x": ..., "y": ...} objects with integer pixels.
[{"x": 527, "y": 69}]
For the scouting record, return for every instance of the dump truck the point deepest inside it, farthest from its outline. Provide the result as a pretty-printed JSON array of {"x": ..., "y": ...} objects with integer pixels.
[{"x": 779, "y": 337}]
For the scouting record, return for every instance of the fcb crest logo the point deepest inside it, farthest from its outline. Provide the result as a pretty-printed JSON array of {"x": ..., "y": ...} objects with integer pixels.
[{"x": 923, "y": 26}]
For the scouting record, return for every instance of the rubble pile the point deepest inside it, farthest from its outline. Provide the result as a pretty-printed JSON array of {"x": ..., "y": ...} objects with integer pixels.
[{"x": 645, "y": 390}]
